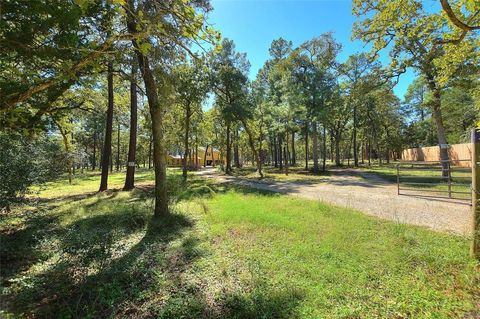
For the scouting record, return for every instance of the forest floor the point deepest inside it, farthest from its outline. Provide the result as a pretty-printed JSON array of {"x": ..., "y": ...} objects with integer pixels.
[
  {"x": 362, "y": 190},
  {"x": 225, "y": 251}
]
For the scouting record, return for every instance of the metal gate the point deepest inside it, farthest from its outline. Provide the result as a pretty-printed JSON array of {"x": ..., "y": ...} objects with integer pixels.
[{"x": 436, "y": 179}]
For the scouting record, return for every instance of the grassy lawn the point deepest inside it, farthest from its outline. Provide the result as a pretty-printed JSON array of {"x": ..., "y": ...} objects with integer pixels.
[
  {"x": 225, "y": 252},
  {"x": 295, "y": 174}
]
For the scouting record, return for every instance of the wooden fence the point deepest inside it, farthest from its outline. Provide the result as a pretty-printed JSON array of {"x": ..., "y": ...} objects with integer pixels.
[{"x": 432, "y": 153}]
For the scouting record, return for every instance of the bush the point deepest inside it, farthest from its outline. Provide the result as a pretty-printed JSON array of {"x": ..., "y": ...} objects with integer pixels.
[{"x": 25, "y": 161}]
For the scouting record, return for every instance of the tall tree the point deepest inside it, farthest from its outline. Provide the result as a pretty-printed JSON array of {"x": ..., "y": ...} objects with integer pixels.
[
  {"x": 314, "y": 60},
  {"x": 230, "y": 70},
  {"x": 191, "y": 85},
  {"x": 420, "y": 39},
  {"x": 132, "y": 144},
  {"x": 107, "y": 144},
  {"x": 355, "y": 70},
  {"x": 153, "y": 25}
]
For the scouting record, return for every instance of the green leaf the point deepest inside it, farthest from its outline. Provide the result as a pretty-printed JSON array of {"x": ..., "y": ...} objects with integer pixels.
[{"x": 144, "y": 47}]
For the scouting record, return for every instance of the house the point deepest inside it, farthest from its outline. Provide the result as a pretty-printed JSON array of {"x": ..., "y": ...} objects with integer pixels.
[
  {"x": 174, "y": 160},
  {"x": 210, "y": 157}
]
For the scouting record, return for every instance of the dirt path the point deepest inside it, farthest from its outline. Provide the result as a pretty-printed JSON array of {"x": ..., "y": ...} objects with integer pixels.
[{"x": 370, "y": 194}]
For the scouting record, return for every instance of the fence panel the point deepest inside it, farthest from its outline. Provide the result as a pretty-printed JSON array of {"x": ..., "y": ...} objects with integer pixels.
[
  {"x": 432, "y": 179},
  {"x": 457, "y": 152}
]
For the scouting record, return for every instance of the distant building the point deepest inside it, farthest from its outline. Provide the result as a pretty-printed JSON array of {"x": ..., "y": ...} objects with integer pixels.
[
  {"x": 174, "y": 160},
  {"x": 210, "y": 157}
]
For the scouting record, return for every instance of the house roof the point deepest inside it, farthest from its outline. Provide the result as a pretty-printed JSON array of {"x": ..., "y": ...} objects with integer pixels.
[
  {"x": 180, "y": 156},
  {"x": 203, "y": 149}
]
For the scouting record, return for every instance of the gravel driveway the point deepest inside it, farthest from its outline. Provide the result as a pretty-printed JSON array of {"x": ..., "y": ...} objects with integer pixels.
[{"x": 371, "y": 195}]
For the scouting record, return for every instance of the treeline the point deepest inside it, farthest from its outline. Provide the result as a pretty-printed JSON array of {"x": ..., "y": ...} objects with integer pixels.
[{"x": 119, "y": 84}]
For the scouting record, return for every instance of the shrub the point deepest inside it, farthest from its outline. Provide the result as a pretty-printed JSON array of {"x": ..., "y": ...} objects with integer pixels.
[{"x": 25, "y": 161}]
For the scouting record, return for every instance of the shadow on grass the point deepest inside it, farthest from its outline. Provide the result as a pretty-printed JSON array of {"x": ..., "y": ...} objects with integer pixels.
[
  {"x": 117, "y": 261},
  {"x": 99, "y": 268},
  {"x": 18, "y": 249}
]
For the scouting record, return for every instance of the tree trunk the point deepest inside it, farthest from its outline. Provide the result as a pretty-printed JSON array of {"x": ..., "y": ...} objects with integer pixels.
[
  {"x": 354, "y": 138},
  {"x": 236, "y": 155},
  {"x": 253, "y": 149},
  {"x": 73, "y": 159},
  {"x": 442, "y": 139},
  {"x": 205, "y": 156},
  {"x": 150, "y": 153},
  {"x": 286, "y": 153},
  {"x": 270, "y": 148},
  {"x": 324, "y": 164},
  {"x": 315, "y": 147},
  {"x": 228, "y": 166},
  {"x": 337, "y": 149},
  {"x": 363, "y": 151},
  {"x": 132, "y": 143},
  {"x": 107, "y": 145},
  {"x": 196, "y": 153},
  {"x": 185, "y": 141},
  {"x": 118, "y": 146},
  {"x": 275, "y": 150},
  {"x": 280, "y": 150},
  {"x": 94, "y": 155},
  {"x": 66, "y": 144},
  {"x": 369, "y": 146},
  {"x": 294, "y": 156},
  {"x": 306, "y": 146},
  {"x": 157, "y": 114},
  {"x": 332, "y": 144}
]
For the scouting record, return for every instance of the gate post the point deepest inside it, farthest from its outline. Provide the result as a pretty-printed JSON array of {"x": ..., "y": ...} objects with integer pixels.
[{"x": 475, "y": 248}]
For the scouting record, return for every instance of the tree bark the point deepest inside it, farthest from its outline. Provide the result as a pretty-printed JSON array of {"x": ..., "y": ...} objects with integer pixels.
[
  {"x": 118, "y": 146},
  {"x": 337, "y": 149},
  {"x": 196, "y": 154},
  {"x": 280, "y": 150},
  {"x": 306, "y": 146},
  {"x": 294, "y": 156},
  {"x": 66, "y": 144},
  {"x": 354, "y": 138},
  {"x": 185, "y": 141},
  {"x": 132, "y": 143},
  {"x": 150, "y": 153},
  {"x": 107, "y": 146},
  {"x": 324, "y": 164},
  {"x": 72, "y": 141},
  {"x": 315, "y": 147},
  {"x": 236, "y": 155},
  {"x": 205, "y": 156},
  {"x": 157, "y": 114},
  {"x": 286, "y": 156},
  {"x": 275, "y": 150},
  {"x": 94, "y": 155},
  {"x": 228, "y": 166},
  {"x": 442, "y": 139},
  {"x": 363, "y": 150},
  {"x": 254, "y": 150},
  {"x": 270, "y": 148}
]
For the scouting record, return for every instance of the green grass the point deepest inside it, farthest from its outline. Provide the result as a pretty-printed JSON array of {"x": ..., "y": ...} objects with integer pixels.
[
  {"x": 89, "y": 182},
  {"x": 295, "y": 174},
  {"x": 225, "y": 252}
]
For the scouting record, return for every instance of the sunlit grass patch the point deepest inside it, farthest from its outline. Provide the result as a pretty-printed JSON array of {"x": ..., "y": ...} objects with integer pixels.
[{"x": 225, "y": 252}]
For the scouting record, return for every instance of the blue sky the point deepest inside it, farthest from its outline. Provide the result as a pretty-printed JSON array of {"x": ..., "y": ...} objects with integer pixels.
[{"x": 253, "y": 24}]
